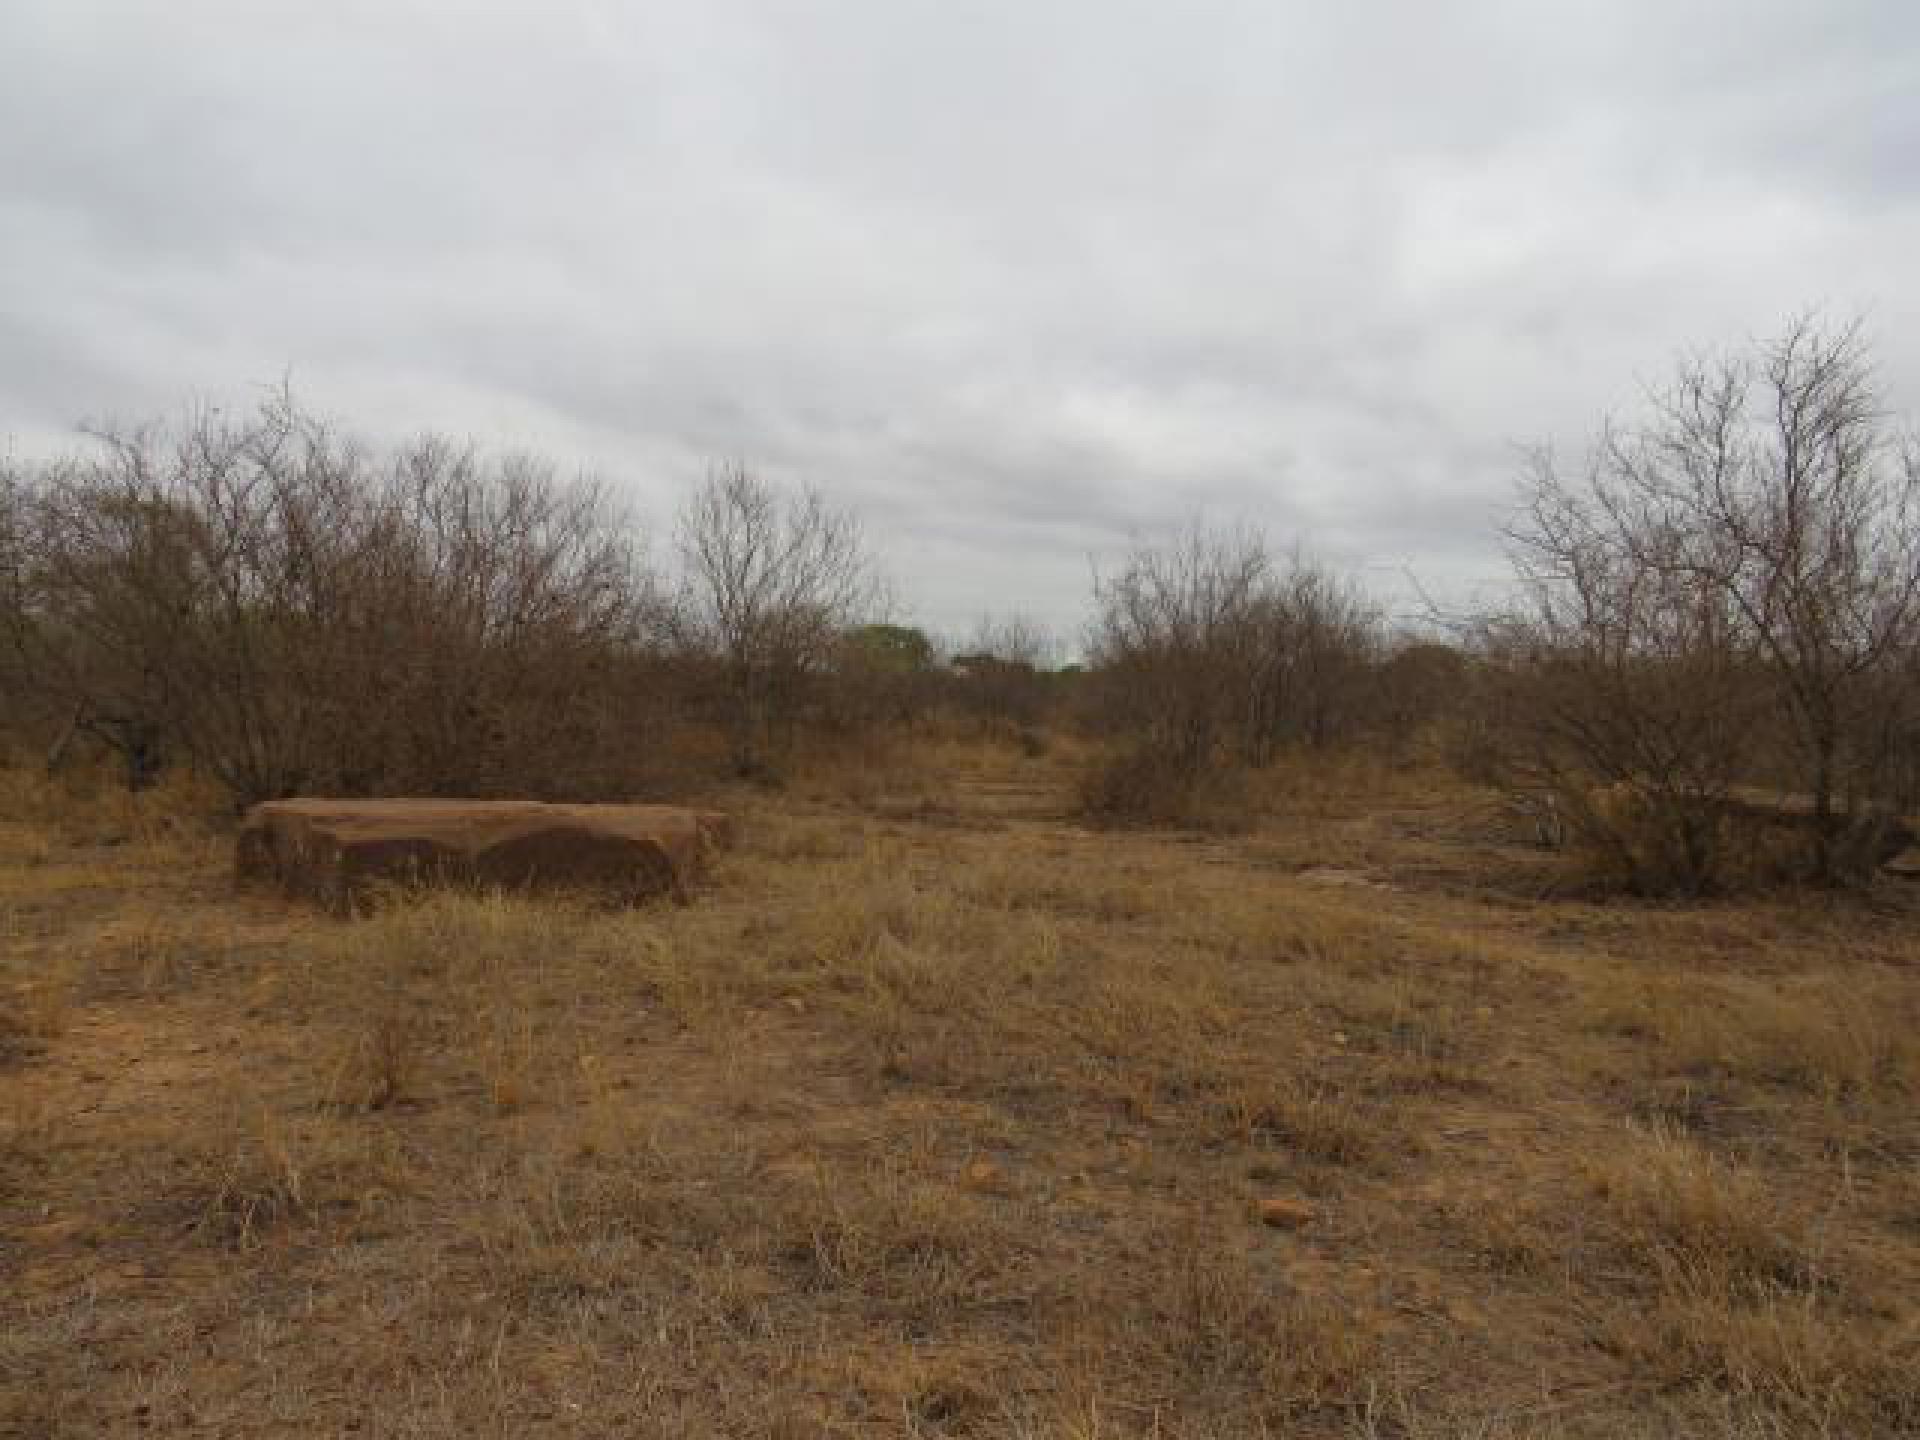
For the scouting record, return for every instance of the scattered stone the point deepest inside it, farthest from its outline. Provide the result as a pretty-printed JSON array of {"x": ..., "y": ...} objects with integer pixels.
[
  {"x": 338, "y": 853},
  {"x": 985, "y": 1176},
  {"x": 1279, "y": 1213}
]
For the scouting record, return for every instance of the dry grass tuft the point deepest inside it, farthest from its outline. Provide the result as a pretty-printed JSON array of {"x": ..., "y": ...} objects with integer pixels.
[
  {"x": 891, "y": 780},
  {"x": 1218, "y": 1339},
  {"x": 920, "y": 1249},
  {"x": 1852, "y": 1037},
  {"x": 85, "y": 807},
  {"x": 1314, "y": 1123},
  {"x": 1790, "y": 1364},
  {"x": 1696, "y": 1219},
  {"x": 262, "y": 1172},
  {"x": 28, "y": 1128},
  {"x": 37, "y": 1009},
  {"x": 1511, "y": 1234},
  {"x": 445, "y": 975}
]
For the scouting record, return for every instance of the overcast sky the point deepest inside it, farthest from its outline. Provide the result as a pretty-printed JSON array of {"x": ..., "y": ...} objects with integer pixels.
[{"x": 1015, "y": 279}]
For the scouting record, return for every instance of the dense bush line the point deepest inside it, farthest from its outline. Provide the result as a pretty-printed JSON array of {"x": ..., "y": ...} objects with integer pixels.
[
  {"x": 289, "y": 611},
  {"x": 1707, "y": 670},
  {"x": 284, "y": 609}
]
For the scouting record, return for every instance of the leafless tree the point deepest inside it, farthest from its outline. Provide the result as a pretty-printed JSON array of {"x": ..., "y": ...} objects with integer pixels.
[
  {"x": 1751, "y": 550},
  {"x": 1618, "y": 678},
  {"x": 774, "y": 579}
]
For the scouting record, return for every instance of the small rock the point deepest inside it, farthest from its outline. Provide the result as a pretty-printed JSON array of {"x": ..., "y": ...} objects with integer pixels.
[
  {"x": 1280, "y": 1213},
  {"x": 984, "y": 1175}
]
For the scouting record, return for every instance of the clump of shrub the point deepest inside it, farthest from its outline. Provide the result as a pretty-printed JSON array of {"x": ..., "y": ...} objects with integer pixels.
[
  {"x": 267, "y": 602},
  {"x": 1646, "y": 842},
  {"x": 1142, "y": 785}
]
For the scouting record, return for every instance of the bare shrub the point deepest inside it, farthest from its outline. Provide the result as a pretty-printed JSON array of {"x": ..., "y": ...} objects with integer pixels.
[
  {"x": 1728, "y": 595},
  {"x": 1210, "y": 654},
  {"x": 269, "y": 599},
  {"x": 1142, "y": 785},
  {"x": 774, "y": 580},
  {"x": 1314, "y": 652},
  {"x": 1171, "y": 639}
]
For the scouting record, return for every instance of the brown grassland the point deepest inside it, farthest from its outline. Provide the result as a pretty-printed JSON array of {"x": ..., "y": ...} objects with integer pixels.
[{"x": 937, "y": 1113}]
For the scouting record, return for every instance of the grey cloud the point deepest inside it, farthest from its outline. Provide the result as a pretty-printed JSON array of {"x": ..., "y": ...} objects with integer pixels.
[{"x": 1017, "y": 280}]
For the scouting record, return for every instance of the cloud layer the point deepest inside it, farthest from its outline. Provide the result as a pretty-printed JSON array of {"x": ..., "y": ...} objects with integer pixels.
[{"x": 1016, "y": 279}]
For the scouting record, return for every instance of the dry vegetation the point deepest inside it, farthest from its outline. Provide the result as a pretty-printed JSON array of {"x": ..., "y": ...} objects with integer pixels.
[
  {"x": 939, "y": 1114},
  {"x": 1165, "y": 1046}
]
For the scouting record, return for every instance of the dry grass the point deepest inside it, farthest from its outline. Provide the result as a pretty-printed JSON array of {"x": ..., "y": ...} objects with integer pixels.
[
  {"x": 939, "y": 1115},
  {"x": 1698, "y": 1221},
  {"x": 1852, "y": 1036}
]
